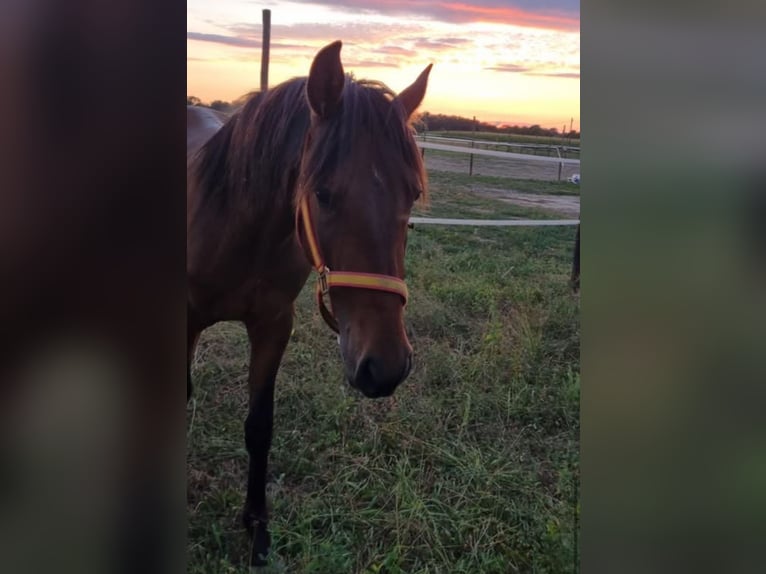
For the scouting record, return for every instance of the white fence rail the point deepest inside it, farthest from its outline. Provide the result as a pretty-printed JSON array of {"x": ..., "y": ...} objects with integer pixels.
[
  {"x": 498, "y": 154},
  {"x": 521, "y": 145},
  {"x": 495, "y": 222}
]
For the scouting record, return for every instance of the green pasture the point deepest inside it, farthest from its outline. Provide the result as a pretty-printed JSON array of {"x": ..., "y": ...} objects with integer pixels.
[{"x": 472, "y": 467}]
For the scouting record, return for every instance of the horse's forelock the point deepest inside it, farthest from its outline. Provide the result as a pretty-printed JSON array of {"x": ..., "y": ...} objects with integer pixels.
[{"x": 368, "y": 113}]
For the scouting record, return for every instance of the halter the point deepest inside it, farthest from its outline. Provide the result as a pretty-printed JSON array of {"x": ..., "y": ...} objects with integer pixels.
[{"x": 328, "y": 279}]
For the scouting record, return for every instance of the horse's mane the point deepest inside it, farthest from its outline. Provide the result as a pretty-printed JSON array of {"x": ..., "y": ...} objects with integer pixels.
[{"x": 253, "y": 161}]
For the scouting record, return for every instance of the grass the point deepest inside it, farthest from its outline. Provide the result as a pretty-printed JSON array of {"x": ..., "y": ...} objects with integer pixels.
[
  {"x": 471, "y": 467},
  {"x": 502, "y": 167},
  {"x": 452, "y": 187}
]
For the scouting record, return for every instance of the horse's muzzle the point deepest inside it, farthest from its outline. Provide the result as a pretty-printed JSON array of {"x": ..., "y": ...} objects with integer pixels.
[{"x": 376, "y": 378}]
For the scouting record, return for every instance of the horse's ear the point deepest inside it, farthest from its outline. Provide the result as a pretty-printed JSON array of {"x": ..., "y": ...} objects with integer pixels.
[
  {"x": 325, "y": 84},
  {"x": 414, "y": 94}
]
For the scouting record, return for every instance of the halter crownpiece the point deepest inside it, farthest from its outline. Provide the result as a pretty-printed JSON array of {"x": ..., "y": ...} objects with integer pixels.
[{"x": 328, "y": 279}]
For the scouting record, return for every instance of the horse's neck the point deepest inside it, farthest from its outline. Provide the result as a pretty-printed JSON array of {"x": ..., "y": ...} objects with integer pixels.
[
  {"x": 250, "y": 170},
  {"x": 263, "y": 199}
]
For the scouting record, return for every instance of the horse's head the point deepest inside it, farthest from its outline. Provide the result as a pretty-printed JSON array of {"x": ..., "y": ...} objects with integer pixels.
[{"x": 361, "y": 172}]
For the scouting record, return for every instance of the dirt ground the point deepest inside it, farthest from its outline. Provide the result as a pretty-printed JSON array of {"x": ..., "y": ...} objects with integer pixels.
[
  {"x": 564, "y": 205},
  {"x": 483, "y": 165}
]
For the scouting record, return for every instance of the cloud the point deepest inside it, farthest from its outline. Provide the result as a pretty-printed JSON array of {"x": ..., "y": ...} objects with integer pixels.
[
  {"x": 369, "y": 43},
  {"x": 434, "y": 46},
  {"x": 538, "y": 69},
  {"x": 516, "y": 13},
  {"x": 439, "y": 44},
  {"x": 452, "y": 41},
  {"x": 322, "y": 33},
  {"x": 513, "y": 68},
  {"x": 396, "y": 51},
  {"x": 391, "y": 44},
  {"x": 225, "y": 40},
  {"x": 549, "y": 14},
  {"x": 573, "y": 75},
  {"x": 368, "y": 64},
  {"x": 241, "y": 41}
]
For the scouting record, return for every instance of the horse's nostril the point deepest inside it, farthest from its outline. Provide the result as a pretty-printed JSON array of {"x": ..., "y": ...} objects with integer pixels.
[
  {"x": 377, "y": 378},
  {"x": 368, "y": 370}
]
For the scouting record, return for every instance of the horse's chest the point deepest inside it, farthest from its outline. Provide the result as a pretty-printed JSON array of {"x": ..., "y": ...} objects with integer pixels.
[{"x": 260, "y": 286}]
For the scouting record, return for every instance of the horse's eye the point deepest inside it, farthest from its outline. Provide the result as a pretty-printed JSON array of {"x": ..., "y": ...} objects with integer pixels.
[{"x": 323, "y": 196}]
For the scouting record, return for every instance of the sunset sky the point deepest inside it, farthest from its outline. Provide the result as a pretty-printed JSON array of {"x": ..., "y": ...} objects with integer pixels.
[{"x": 514, "y": 61}]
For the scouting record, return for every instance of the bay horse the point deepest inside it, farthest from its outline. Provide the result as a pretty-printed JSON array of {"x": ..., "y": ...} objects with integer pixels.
[{"x": 320, "y": 172}]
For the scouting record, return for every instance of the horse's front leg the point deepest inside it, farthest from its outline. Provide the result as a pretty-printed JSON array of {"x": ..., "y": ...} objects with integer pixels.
[
  {"x": 268, "y": 340},
  {"x": 575, "y": 279},
  {"x": 193, "y": 329}
]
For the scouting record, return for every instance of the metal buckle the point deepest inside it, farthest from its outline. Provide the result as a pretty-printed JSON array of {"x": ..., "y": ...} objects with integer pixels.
[{"x": 323, "y": 284}]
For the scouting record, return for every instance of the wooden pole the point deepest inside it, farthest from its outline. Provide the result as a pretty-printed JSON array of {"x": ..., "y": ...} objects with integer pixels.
[
  {"x": 569, "y": 135},
  {"x": 265, "y": 44},
  {"x": 470, "y": 165}
]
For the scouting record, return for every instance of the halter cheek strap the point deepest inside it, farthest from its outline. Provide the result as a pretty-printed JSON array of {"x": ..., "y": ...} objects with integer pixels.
[{"x": 328, "y": 279}]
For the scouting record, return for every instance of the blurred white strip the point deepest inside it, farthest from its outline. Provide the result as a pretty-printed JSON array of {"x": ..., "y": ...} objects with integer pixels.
[
  {"x": 495, "y": 222},
  {"x": 492, "y": 153}
]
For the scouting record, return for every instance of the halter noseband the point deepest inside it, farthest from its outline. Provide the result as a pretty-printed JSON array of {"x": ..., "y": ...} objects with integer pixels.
[{"x": 328, "y": 279}]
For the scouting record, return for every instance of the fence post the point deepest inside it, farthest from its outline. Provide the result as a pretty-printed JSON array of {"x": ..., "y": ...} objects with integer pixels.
[
  {"x": 470, "y": 165},
  {"x": 265, "y": 50}
]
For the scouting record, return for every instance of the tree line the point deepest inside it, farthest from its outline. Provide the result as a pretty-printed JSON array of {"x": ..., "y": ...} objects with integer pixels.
[
  {"x": 443, "y": 122},
  {"x": 219, "y": 105},
  {"x": 427, "y": 122}
]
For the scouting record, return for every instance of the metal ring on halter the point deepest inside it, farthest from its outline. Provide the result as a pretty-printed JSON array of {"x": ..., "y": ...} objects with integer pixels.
[{"x": 324, "y": 284}]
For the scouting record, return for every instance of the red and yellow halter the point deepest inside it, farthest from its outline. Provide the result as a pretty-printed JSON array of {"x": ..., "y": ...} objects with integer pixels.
[{"x": 328, "y": 279}]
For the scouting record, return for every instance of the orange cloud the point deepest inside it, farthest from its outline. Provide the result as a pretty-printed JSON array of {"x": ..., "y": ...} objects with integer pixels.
[
  {"x": 513, "y": 16},
  {"x": 561, "y": 15}
]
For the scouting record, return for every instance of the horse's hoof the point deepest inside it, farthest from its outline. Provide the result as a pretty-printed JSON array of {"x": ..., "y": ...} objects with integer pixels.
[
  {"x": 261, "y": 544},
  {"x": 257, "y": 561}
]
